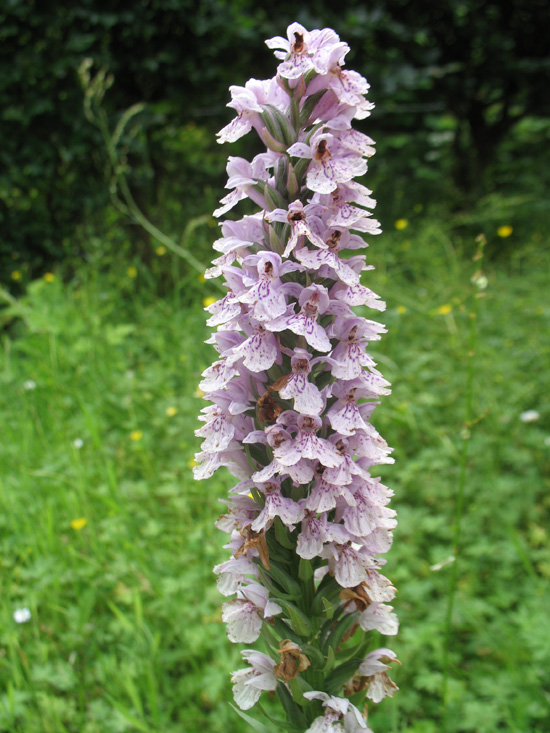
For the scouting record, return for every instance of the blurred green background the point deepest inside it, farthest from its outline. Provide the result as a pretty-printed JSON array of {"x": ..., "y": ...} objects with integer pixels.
[{"x": 107, "y": 185}]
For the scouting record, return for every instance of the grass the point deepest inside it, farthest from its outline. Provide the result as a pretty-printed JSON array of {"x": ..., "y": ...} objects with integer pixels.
[{"x": 126, "y": 633}]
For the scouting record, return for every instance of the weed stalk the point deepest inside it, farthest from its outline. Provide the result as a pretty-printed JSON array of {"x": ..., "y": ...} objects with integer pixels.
[{"x": 480, "y": 282}]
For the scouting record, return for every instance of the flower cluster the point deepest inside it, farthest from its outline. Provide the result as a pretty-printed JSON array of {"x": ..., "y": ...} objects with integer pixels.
[{"x": 293, "y": 391}]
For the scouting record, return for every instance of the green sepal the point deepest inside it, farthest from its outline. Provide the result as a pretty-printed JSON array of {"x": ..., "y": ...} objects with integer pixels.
[
  {"x": 341, "y": 674},
  {"x": 309, "y": 106},
  {"x": 255, "y": 724},
  {"x": 299, "y": 621},
  {"x": 340, "y": 630},
  {"x": 292, "y": 710},
  {"x": 305, "y": 571}
]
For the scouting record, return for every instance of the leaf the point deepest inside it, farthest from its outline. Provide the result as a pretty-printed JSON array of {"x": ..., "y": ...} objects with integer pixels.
[
  {"x": 281, "y": 173},
  {"x": 283, "y": 724},
  {"x": 284, "y": 630},
  {"x": 360, "y": 650},
  {"x": 256, "y": 725},
  {"x": 270, "y": 142},
  {"x": 341, "y": 628},
  {"x": 308, "y": 107},
  {"x": 340, "y": 675},
  {"x": 287, "y": 583},
  {"x": 273, "y": 197},
  {"x": 298, "y": 685},
  {"x": 305, "y": 571},
  {"x": 269, "y": 637},
  {"x": 315, "y": 656},
  {"x": 331, "y": 658},
  {"x": 300, "y": 622},
  {"x": 282, "y": 535},
  {"x": 328, "y": 591},
  {"x": 329, "y": 608},
  {"x": 282, "y": 129},
  {"x": 292, "y": 185},
  {"x": 292, "y": 710}
]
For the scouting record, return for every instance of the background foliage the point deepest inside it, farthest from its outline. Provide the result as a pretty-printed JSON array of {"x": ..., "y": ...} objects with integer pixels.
[
  {"x": 126, "y": 631},
  {"x": 451, "y": 80},
  {"x": 102, "y": 330}
]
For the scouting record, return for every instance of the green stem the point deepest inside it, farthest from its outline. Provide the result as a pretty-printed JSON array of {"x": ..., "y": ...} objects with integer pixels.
[
  {"x": 96, "y": 114},
  {"x": 466, "y": 437}
]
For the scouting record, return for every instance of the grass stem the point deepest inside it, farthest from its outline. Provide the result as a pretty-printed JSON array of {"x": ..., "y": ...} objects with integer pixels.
[{"x": 466, "y": 435}]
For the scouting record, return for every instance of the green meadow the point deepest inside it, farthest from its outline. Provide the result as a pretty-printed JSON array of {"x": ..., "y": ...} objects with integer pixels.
[{"x": 109, "y": 543}]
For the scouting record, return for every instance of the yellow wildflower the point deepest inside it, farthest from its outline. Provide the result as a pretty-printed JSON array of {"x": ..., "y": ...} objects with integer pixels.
[
  {"x": 79, "y": 523},
  {"x": 445, "y": 309},
  {"x": 208, "y": 301},
  {"x": 505, "y": 231},
  {"x": 49, "y": 277},
  {"x": 171, "y": 411},
  {"x": 16, "y": 275},
  {"x": 401, "y": 309},
  {"x": 136, "y": 435},
  {"x": 191, "y": 463},
  {"x": 198, "y": 392},
  {"x": 401, "y": 224},
  {"x": 161, "y": 250},
  {"x": 201, "y": 279},
  {"x": 132, "y": 271}
]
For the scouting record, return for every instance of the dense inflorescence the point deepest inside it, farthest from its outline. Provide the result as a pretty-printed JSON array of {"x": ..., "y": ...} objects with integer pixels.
[{"x": 292, "y": 394}]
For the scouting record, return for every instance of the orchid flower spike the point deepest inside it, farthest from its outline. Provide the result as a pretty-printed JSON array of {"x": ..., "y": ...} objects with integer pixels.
[{"x": 291, "y": 395}]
